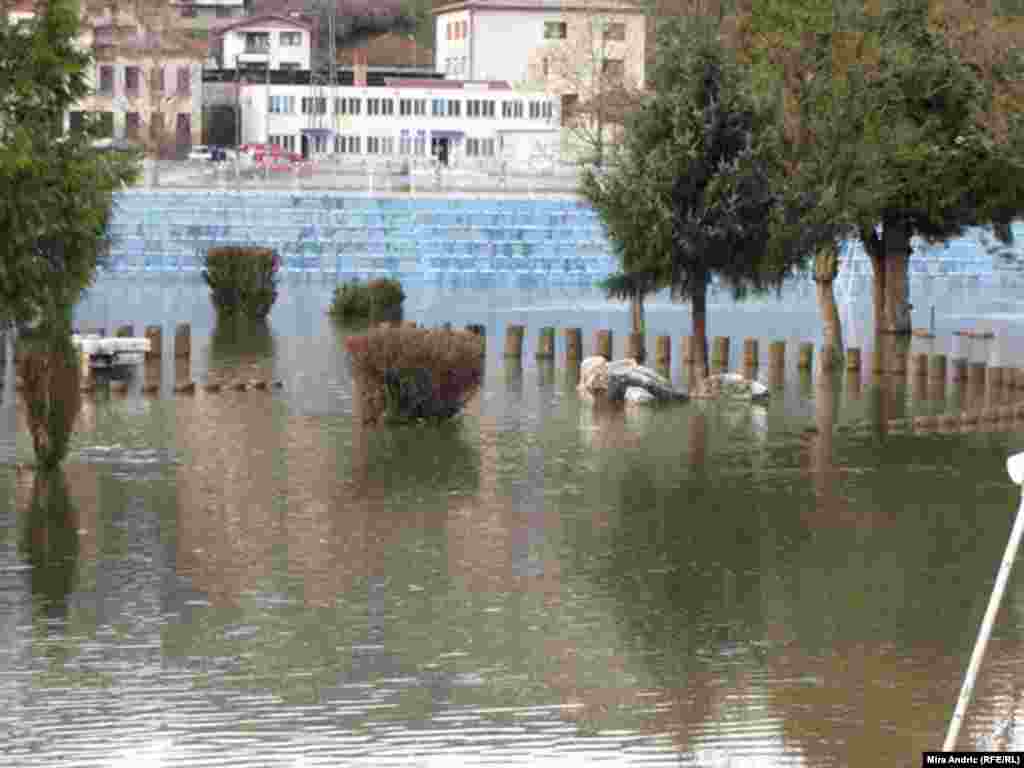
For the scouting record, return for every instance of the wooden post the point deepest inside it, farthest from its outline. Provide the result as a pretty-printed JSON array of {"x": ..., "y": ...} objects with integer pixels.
[
  {"x": 514, "y": 341},
  {"x": 155, "y": 334},
  {"x": 995, "y": 377},
  {"x": 960, "y": 369},
  {"x": 663, "y": 351},
  {"x": 546, "y": 344},
  {"x": 805, "y": 360},
  {"x": 777, "y": 355},
  {"x": 877, "y": 359},
  {"x": 573, "y": 345},
  {"x": 125, "y": 331},
  {"x": 976, "y": 380},
  {"x": 853, "y": 360},
  {"x": 898, "y": 361},
  {"x": 937, "y": 367},
  {"x": 750, "y": 354},
  {"x": 183, "y": 341},
  {"x": 720, "y": 355},
  {"x": 1018, "y": 378},
  {"x": 686, "y": 350},
  {"x": 635, "y": 347},
  {"x": 920, "y": 368},
  {"x": 603, "y": 344}
]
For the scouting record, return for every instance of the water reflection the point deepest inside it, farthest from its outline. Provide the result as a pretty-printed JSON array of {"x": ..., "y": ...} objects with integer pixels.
[{"x": 50, "y": 542}]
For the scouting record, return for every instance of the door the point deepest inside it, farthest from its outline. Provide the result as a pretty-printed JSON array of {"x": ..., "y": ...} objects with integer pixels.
[
  {"x": 305, "y": 147},
  {"x": 439, "y": 149}
]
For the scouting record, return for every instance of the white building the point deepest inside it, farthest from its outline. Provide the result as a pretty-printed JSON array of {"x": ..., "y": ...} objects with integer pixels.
[
  {"x": 462, "y": 124},
  {"x": 280, "y": 42},
  {"x": 512, "y": 39}
]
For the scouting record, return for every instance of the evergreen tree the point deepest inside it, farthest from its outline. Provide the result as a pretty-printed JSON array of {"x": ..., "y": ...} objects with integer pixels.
[{"x": 697, "y": 190}]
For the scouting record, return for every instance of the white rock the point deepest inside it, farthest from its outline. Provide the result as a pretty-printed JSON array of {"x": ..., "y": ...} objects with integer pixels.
[
  {"x": 638, "y": 396},
  {"x": 593, "y": 375},
  {"x": 731, "y": 385}
]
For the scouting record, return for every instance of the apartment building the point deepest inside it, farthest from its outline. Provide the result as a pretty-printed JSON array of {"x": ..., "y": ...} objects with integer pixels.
[{"x": 273, "y": 41}]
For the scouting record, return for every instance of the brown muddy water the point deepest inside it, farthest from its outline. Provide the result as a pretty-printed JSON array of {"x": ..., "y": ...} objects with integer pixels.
[{"x": 250, "y": 579}]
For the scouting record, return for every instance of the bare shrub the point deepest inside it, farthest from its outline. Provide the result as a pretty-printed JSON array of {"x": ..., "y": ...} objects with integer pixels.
[{"x": 454, "y": 360}]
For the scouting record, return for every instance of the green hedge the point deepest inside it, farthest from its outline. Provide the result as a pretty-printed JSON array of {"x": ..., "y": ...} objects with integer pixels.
[
  {"x": 379, "y": 299},
  {"x": 242, "y": 280}
]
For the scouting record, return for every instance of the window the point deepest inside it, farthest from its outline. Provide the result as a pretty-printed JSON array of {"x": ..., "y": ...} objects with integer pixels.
[
  {"x": 437, "y": 108},
  {"x": 319, "y": 144},
  {"x": 545, "y": 66},
  {"x": 350, "y": 106},
  {"x": 183, "y": 129},
  {"x": 479, "y": 147},
  {"x": 76, "y": 121},
  {"x": 285, "y": 141},
  {"x": 223, "y": 12},
  {"x": 373, "y": 145},
  {"x": 569, "y": 103},
  {"x": 454, "y": 107},
  {"x": 106, "y": 80},
  {"x": 282, "y": 105},
  {"x": 189, "y": 12},
  {"x": 290, "y": 39},
  {"x": 184, "y": 81},
  {"x": 615, "y": 31},
  {"x": 257, "y": 42},
  {"x": 132, "y": 80},
  {"x": 404, "y": 107},
  {"x": 555, "y": 30},
  {"x": 314, "y": 105},
  {"x": 347, "y": 145},
  {"x": 613, "y": 68},
  {"x": 546, "y": 110},
  {"x": 156, "y": 79},
  {"x": 387, "y": 106},
  {"x": 133, "y": 126},
  {"x": 420, "y": 144},
  {"x": 387, "y": 145},
  {"x": 375, "y": 106},
  {"x": 511, "y": 109},
  {"x": 419, "y": 107},
  {"x": 472, "y": 108},
  {"x": 289, "y": 66},
  {"x": 534, "y": 110},
  {"x": 405, "y": 144},
  {"x": 449, "y": 30}
]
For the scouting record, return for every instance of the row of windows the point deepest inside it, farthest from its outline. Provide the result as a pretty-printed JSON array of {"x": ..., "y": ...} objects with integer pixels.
[
  {"x": 317, "y": 105},
  {"x": 380, "y": 145},
  {"x": 559, "y": 30},
  {"x": 133, "y": 80},
  {"x": 260, "y": 41}
]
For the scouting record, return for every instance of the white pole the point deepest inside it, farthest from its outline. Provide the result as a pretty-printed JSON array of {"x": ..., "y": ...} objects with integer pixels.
[{"x": 1015, "y": 466}]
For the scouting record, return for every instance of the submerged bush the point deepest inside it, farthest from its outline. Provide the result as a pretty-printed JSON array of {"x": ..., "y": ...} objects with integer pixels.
[
  {"x": 407, "y": 374},
  {"x": 242, "y": 280},
  {"x": 379, "y": 299}
]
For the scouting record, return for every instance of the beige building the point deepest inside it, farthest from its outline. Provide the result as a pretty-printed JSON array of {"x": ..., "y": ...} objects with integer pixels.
[
  {"x": 146, "y": 75},
  {"x": 591, "y": 53}
]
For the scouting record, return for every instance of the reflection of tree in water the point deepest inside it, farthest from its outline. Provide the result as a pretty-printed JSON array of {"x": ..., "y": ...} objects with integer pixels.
[
  {"x": 242, "y": 343},
  {"x": 417, "y": 461},
  {"x": 835, "y": 598},
  {"x": 50, "y": 542}
]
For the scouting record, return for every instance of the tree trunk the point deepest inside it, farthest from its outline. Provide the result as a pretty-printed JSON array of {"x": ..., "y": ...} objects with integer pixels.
[
  {"x": 637, "y": 311},
  {"x": 896, "y": 239},
  {"x": 873, "y": 246},
  {"x": 700, "y": 326},
  {"x": 826, "y": 267}
]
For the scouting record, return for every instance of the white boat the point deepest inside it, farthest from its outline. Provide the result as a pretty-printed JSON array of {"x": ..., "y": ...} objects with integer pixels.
[{"x": 111, "y": 351}]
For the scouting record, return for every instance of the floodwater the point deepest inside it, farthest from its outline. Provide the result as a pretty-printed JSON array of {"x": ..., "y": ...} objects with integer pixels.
[{"x": 252, "y": 579}]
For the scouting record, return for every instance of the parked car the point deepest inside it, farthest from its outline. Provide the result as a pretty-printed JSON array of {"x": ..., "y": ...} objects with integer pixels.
[{"x": 200, "y": 152}]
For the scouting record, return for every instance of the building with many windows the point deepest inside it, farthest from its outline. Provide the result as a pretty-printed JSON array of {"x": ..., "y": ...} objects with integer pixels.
[{"x": 460, "y": 124}]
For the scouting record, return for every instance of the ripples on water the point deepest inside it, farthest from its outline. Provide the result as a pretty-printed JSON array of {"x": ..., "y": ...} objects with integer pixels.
[{"x": 250, "y": 579}]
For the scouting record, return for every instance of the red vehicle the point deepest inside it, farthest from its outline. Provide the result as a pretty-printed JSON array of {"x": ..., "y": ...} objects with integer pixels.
[{"x": 272, "y": 155}]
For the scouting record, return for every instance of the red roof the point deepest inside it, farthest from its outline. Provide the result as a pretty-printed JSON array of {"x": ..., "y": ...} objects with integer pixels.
[
  {"x": 256, "y": 21},
  {"x": 423, "y": 82}
]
